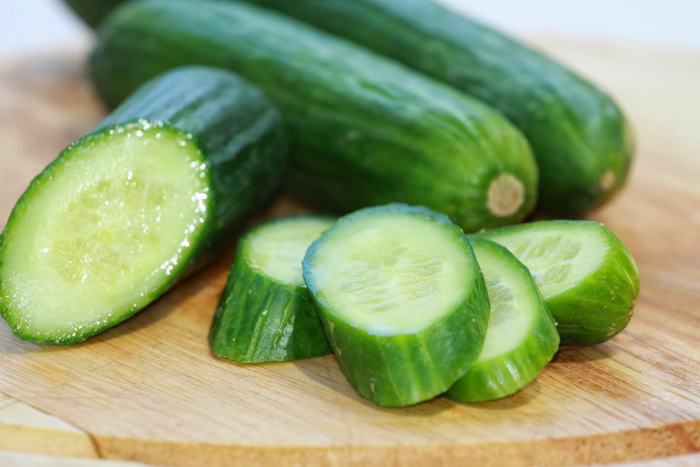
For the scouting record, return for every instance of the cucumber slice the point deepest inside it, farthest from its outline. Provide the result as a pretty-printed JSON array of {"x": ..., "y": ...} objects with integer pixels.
[
  {"x": 402, "y": 300},
  {"x": 587, "y": 277},
  {"x": 521, "y": 337},
  {"x": 266, "y": 313},
  {"x": 123, "y": 213}
]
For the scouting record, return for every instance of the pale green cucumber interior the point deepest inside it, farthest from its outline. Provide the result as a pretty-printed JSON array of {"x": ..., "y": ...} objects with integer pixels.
[
  {"x": 515, "y": 304},
  {"x": 559, "y": 256},
  {"x": 277, "y": 248},
  {"x": 390, "y": 273},
  {"x": 102, "y": 229}
]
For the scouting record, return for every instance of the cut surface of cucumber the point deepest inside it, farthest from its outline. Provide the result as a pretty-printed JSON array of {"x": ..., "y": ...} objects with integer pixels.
[
  {"x": 277, "y": 249},
  {"x": 585, "y": 274},
  {"x": 129, "y": 203},
  {"x": 266, "y": 313},
  {"x": 402, "y": 300},
  {"x": 521, "y": 336},
  {"x": 146, "y": 199}
]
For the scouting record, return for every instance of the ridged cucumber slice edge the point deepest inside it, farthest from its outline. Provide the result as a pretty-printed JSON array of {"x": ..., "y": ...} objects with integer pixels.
[{"x": 266, "y": 313}]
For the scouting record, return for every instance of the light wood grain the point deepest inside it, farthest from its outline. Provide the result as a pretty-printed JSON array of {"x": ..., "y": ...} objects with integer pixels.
[
  {"x": 37, "y": 460},
  {"x": 150, "y": 390},
  {"x": 24, "y": 428}
]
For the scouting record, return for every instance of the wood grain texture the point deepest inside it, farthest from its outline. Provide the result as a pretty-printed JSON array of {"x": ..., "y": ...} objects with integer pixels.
[{"x": 150, "y": 390}]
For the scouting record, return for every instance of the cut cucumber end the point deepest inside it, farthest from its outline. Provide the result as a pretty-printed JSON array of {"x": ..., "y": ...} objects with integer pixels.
[
  {"x": 521, "y": 336},
  {"x": 389, "y": 271},
  {"x": 276, "y": 249},
  {"x": 266, "y": 313},
  {"x": 402, "y": 300},
  {"x": 587, "y": 276},
  {"x": 560, "y": 257},
  {"x": 102, "y": 231}
]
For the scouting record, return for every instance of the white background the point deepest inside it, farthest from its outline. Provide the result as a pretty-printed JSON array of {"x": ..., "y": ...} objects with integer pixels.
[{"x": 31, "y": 25}]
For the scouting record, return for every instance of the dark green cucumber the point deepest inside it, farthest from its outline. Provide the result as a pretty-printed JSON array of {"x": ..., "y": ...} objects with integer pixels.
[
  {"x": 580, "y": 137},
  {"x": 124, "y": 212},
  {"x": 266, "y": 313},
  {"x": 93, "y": 12},
  {"x": 585, "y": 274},
  {"x": 521, "y": 337},
  {"x": 402, "y": 299},
  {"x": 364, "y": 130}
]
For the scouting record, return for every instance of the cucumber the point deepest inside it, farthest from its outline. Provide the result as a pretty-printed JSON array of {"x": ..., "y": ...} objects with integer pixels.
[
  {"x": 92, "y": 12},
  {"x": 586, "y": 275},
  {"x": 580, "y": 137},
  {"x": 521, "y": 337},
  {"x": 364, "y": 130},
  {"x": 124, "y": 212},
  {"x": 402, "y": 300},
  {"x": 266, "y": 313}
]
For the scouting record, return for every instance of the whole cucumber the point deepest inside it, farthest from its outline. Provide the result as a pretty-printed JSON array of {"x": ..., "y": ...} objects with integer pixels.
[
  {"x": 364, "y": 130},
  {"x": 580, "y": 137}
]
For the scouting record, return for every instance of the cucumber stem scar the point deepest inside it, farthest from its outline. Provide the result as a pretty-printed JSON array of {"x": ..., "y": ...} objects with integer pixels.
[{"x": 505, "y": 196}]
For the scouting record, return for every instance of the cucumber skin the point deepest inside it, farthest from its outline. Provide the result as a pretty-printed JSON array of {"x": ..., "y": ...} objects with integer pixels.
[
  {"x": 365, "y": 130},
  {"x": 291, "y": 306},
  {"x": 92, "y": 12},
  {"x": 576, "y": 131},
  {"x": 384, "y": 370},
  {"x": 590, "y": 314},
  {"x": 490, "y": 380},
  {"x": 252, "y": 148}
]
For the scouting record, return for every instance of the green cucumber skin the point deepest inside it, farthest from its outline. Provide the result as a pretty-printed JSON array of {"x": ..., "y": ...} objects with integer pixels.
[
  {"x": 241, "y": 139},
  {"x": 364, "y": 130},
  {"x": 590, "y": 313},
  {"x": 392, "y": 371},
  {"x": 576, "y": 131},
  {"x": 291, "y": 329},
  {"x": 92, "y": 12},
  {"x": 503, "y": 376}
]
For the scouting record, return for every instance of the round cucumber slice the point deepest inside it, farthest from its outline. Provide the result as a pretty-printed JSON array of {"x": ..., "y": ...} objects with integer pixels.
[
  {"x": 402, "y": 300},
  {"x": 266, "y": 313},
  {"x": 101, "y": 231},
  {"x": 521, "y": 337},
  {"x": 586, "y": 275}
]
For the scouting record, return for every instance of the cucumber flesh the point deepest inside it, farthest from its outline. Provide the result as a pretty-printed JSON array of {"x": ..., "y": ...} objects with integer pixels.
[
  {"x": 277, "y": 249},
  {"x": 100, "y": 230},
  {"x": 266, "y": 313},
  {"x": 402, "y": 300},
  {"x": 152, "y": 195},
  {"x": 521, "y": 337},
  {"x": 585, "y": 274}
]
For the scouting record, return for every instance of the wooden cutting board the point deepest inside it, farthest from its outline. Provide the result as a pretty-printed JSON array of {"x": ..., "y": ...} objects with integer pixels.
[{"x": 150, "y": 390}]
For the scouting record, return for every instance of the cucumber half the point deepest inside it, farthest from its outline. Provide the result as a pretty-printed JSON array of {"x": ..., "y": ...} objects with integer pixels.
[
  {"x": 586, "y": 275},
  {"x": 148, "y": 197},
  {"x": 266, "y": 312},
  {"x": 80, "y": 254},
  {"x": 402, "y": 300},
  {"x": 521, "y": 337}
]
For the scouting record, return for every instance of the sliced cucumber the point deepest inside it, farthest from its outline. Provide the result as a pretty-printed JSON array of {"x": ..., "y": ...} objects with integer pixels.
[
  {"x": 521, "y": 337},
  {"x": 125, "y": 211},
  {"x": 402, "y": 300},
  {"x": 266, "y": 313},
  {"x": 586, "y": 275}
]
